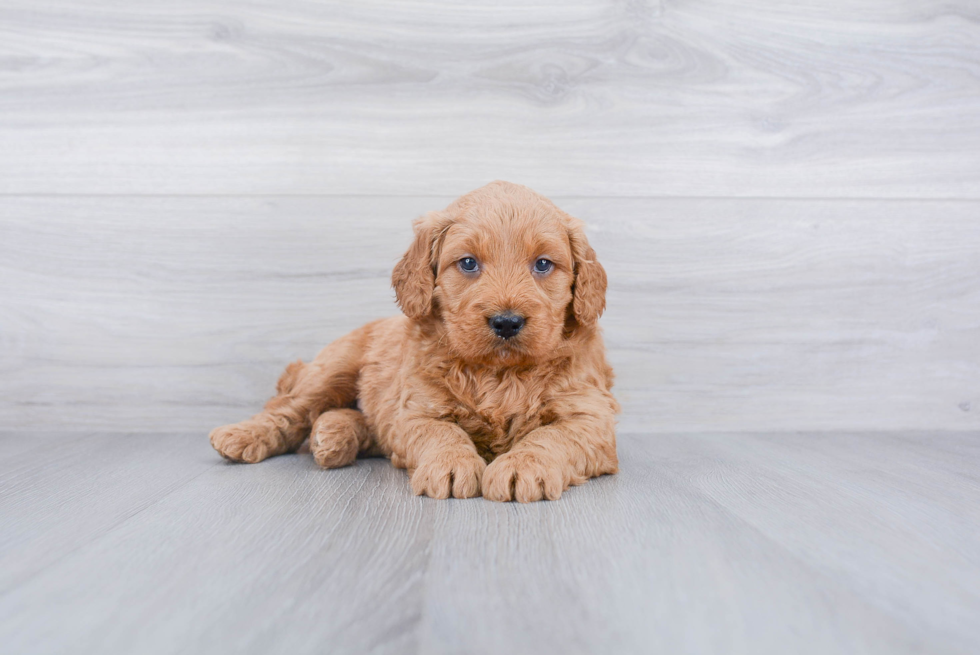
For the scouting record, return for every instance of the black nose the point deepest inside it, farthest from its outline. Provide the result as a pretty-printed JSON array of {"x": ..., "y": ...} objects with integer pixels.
[{"x": 506, "y": 325}]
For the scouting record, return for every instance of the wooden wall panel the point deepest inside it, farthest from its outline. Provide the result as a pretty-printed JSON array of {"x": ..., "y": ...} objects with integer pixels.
[
  {"x": 874, "y": 98},
  {"x": 179, "y": 313}
]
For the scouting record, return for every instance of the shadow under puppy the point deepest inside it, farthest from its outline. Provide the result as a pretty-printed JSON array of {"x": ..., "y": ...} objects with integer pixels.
[{"x": 495, "y": 380}]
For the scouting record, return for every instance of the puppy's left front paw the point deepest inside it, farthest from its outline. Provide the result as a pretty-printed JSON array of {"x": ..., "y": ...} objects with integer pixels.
[
  {"x": 524, "y": 477},
  {"x": 451, "y": 472}
]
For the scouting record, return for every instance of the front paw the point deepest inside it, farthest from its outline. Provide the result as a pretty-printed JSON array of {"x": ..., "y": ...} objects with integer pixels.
[
  {"x": 455, "y": 472},
  {"x": 524, "y": 477},
  {"x": 247, "y": 441}
]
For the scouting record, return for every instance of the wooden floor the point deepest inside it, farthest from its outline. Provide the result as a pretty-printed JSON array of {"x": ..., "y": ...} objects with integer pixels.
[
  {"x": 786, "y": 197},
  {"x": 705, "y": 543}
]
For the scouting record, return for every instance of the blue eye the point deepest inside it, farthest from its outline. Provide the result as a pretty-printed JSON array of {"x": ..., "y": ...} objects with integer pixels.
[
  {"x": 468, "y": 265},
  {"x": 543, "y": 266}
]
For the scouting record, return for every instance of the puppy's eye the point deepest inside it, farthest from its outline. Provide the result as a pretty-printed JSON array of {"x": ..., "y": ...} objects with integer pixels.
[
  {"x": 543, "y": 266},
  {"x": 468, "y": 265}
]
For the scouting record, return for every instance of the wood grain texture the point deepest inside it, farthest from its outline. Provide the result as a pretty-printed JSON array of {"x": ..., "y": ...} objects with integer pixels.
[
  {"x": 875, "y": 98},
  {"x": 704, "y": 543},
  {"x": 179, "y": 313},
  {"x": 107, "y": 479}
]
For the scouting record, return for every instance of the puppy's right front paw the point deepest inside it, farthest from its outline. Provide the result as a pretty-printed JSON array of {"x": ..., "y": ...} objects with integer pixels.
[
  {"x": 455, "y": 472},
  {"x": 242, "y": 442}
]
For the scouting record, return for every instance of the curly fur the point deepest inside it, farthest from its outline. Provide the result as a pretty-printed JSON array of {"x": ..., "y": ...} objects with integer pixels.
[{"x": 436, "y": 391}]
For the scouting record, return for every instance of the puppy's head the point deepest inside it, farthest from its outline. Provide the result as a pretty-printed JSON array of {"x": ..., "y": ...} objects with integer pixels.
[{"x": 507, "y": 273}]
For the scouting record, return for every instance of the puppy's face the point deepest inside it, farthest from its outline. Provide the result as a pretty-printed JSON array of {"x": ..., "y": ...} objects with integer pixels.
[
  {"x": 506, "y": 272},
  {"x": 503, "y": 285}
]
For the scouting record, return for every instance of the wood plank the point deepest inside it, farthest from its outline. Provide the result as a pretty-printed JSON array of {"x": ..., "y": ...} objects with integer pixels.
[
  {"x": 593, "y": 97},
  {"x": 758, "y": 315},
  {"x": 719, "y": 543},
  {"x": 72, "y": 488},
  {"x": 228, "y": 560},
  {"x": 704, "y": 543}
]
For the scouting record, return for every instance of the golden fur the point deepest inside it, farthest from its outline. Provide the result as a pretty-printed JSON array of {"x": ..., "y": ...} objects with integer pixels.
[{"x": 438, "y": 392}]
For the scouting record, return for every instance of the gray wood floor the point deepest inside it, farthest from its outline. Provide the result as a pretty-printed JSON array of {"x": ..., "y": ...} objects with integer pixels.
[
  {"x": 786, "y": 196},
  {"x": 705, "y": 543}
]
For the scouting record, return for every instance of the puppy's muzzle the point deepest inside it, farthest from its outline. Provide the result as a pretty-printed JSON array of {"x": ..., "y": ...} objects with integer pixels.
[{"x": 506, "y": 325}]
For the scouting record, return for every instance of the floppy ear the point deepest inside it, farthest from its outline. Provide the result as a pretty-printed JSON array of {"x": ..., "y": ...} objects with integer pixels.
[
  {"x": 589, "y": 287},
  {"x": 414, "y": 277}
]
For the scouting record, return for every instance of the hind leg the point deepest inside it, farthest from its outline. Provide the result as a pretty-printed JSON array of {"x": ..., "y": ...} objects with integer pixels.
[
  {"x": 305, "y": 391},
  {"x": 337, "y": 437}
]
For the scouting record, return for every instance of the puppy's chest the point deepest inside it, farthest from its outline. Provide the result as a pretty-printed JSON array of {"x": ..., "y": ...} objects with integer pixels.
[{"x": 497, "y": 413}]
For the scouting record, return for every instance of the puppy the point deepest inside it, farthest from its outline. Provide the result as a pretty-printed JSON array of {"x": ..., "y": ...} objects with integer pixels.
[{"x": 495, "y": 380}]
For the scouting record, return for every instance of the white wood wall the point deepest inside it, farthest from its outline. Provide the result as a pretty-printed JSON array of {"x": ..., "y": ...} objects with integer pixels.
[{"x": 786, "y": 196}]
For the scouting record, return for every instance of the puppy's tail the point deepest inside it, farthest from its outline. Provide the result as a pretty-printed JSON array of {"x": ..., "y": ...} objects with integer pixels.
[{"x": 288, "y": 378}]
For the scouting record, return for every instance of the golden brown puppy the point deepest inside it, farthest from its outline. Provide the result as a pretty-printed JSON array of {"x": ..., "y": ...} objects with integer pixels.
[{"x": 495, "y": 380}]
